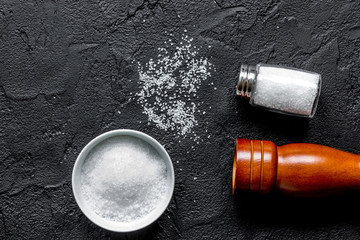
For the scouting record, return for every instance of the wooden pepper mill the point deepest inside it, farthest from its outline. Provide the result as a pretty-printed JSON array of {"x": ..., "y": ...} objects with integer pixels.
[{"x": 297, "y": 169}]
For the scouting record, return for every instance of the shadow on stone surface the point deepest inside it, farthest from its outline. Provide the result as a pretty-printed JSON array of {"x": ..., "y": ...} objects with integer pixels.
[
  {"x": 284, "y": 211},
  {"x": 281, "y": 124},
  {"x": 147, "y": 233}
]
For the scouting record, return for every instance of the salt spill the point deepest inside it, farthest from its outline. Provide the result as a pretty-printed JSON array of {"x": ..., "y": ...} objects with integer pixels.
[
  {"x": 169, "y": 85},
  {"x": 123, "y": 179}
]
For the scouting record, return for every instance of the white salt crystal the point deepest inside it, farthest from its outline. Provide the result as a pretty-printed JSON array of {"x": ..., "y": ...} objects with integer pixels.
[
  {"x": 179, "y": 73},
  {"x": 286, "y": 90},
  {"x": 123, "y": 179}
]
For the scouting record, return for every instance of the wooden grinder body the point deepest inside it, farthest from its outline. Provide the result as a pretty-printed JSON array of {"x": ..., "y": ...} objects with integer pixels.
[{"x": 298, "y": 169}]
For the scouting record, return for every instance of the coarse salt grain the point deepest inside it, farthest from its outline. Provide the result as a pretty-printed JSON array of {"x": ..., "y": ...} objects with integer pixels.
[
  {"x": 177, "y": 74},
  {"x": 280, "y": 89},
  {"x": 274, "y": 90},
  {"x": 123, "y": 179}
]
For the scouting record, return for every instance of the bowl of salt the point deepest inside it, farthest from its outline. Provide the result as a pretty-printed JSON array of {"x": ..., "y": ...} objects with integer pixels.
[{"x": 123, "y": 180}]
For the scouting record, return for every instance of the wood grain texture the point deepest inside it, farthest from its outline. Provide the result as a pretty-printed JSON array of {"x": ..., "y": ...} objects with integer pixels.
[{"x": 298, "y": 169}]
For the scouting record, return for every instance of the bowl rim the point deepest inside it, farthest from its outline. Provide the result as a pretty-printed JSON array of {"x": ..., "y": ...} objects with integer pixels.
[{"x": 94, "y": 142}]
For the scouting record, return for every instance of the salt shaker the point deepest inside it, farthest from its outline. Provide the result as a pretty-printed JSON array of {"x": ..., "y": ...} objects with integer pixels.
[{"x": 280, "y": 89}]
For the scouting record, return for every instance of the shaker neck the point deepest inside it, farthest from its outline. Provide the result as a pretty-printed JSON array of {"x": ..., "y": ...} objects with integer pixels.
[{"x": 246, "y": 80}]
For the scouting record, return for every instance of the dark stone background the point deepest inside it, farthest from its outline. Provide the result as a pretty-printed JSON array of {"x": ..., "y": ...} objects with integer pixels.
[{"x": 64, "y": 71}]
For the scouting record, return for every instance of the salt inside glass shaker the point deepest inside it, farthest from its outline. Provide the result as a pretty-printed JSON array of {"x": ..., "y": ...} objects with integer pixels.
[{"x": 280, "y": 89}]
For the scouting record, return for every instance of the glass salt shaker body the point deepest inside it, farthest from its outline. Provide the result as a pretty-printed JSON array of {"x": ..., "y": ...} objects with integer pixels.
[{"x": 280, "y": 89}]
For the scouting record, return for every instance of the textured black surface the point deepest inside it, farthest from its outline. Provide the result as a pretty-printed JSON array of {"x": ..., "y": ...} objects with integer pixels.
[{"x": 65, "y": 68}]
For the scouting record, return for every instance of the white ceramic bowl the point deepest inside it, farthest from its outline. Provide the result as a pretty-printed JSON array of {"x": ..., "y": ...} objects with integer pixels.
[{"x": 116, "y": 226}]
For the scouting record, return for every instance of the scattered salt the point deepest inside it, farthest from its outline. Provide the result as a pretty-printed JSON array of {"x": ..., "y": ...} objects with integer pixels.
[
  {"x": 179, "y": 74},
  {"x": 123, "y": 179}
]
